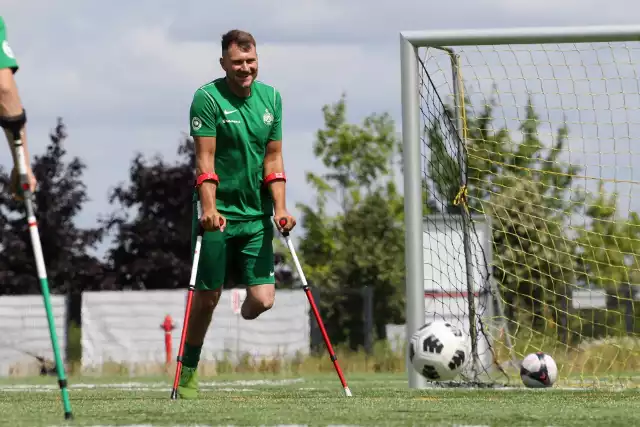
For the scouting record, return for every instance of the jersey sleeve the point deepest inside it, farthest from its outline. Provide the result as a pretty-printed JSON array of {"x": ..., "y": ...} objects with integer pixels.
[
  {"x": 203, "y": 115},
  {"x": 276, "y": 127},
  {"x": 7, "y": 58}
]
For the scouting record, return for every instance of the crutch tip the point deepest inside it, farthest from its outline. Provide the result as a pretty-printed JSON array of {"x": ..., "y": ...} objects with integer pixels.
[
  {"x": 347, "y": 392},
  {"x": 68, "y": 416}
]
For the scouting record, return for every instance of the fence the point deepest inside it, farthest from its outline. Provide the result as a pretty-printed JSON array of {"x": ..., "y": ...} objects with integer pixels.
[
  {"x": 126, "y": 329},
  {"x": 24, "y": 333}
]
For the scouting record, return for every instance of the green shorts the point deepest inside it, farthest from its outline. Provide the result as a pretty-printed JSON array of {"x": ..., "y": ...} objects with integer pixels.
[
  {"x": 241, "y": 255},
  {"x": 7, "y": 59}
]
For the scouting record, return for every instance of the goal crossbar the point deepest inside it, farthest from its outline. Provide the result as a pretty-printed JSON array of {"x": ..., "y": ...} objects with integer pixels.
[
  {"x": 524, "y": 35},
  {"x": 410, "y": 42}
]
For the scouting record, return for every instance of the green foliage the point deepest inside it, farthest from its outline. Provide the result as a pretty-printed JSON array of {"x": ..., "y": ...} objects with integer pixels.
[
  {"x": 362, "y": 242},
  {"x": 59, "y": 199},
  {"x": 532, "y": 254},
  {"x": 526, "y": 189},
  {"x": 610, "y": 252},
  {"x": 152, "y": 222},
  {"x": 358, "y": 157}
]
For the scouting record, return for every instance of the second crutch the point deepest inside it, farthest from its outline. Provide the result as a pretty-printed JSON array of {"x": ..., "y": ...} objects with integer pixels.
[{"x": 314, "y": 308}]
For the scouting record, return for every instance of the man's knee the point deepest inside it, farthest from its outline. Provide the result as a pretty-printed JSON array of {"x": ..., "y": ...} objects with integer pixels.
[
  {"x": 264, "y": 304},
  {"x": 259, "y": 299},
  {"x": 207, "y": 300}
]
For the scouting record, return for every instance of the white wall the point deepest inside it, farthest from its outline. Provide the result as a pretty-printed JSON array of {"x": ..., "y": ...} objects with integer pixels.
[
  {"x": 124, "y": 327},
  {"x": 24, "y": 327}
]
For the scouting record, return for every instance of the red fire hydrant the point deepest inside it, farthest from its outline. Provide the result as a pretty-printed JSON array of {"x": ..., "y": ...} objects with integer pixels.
[{"x": 168, "y": 326}]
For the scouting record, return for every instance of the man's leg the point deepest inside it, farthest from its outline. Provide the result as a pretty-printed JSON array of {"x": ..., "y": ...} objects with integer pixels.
[
  {"x": 258, "y": 268},
  {"x": 209, "y": 280},
  {"x": 204, "y": 303},
  {"x": 260, "y": 298}
]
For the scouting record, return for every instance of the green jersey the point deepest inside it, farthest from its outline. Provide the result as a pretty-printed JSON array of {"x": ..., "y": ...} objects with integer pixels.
[
  {"x": 243, "y": 127},
  {"x": 7, "y": 58}
]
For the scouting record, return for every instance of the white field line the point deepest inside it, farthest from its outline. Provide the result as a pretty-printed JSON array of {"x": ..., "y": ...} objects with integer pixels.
[
  {"x": 240, "y": 385},
  {"x": 245, "y": 385},
  {"x": 276, "y": 425},
  {"x": 231, "y": 425}
]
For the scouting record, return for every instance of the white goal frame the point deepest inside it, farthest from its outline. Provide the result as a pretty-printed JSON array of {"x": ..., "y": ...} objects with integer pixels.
[{"x": 410, "y": 41}]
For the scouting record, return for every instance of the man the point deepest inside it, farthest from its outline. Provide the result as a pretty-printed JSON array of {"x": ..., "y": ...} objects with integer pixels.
[
  {"x": 236, "y": 123},
  {"x": 12, "y": 115}
]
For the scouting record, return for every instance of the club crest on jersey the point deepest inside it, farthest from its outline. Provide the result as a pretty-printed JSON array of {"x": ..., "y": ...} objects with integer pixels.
[
  {"x": 267, "y": 118},
  {"x": 7, "y": 49},
  {"x": 196, "y": 123}
]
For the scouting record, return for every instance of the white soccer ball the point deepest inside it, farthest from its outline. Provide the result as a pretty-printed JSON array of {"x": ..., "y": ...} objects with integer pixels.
[
  {"x": 538, "y": 370},
  {"x": 438, "y": 351}
]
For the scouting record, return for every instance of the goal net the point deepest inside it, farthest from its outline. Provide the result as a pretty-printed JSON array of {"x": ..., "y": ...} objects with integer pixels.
[{"x": 525, "y": 146}]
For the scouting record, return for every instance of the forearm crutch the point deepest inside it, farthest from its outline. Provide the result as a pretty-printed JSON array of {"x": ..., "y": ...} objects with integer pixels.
[
  {"x": 314, "y": 308},
  {"x": 14, "y": 125}
]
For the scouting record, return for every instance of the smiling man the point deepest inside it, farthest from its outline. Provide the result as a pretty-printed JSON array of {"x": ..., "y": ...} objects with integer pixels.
[{"x": 236, "y": 123}]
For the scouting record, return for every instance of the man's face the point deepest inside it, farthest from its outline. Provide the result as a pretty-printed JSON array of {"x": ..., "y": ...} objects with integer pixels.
[{"x": 241, "y": 66}]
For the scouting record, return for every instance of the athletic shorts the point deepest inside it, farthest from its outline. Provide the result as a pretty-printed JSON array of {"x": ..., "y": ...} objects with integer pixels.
[
  {"x": 7, "y": 59},
  {"x": 241, "y": 255}
]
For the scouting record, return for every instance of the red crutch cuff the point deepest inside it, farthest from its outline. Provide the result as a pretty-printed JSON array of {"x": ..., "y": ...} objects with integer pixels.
[
  {"x": 275, "y": 176},
  {"x": 209, "y": 176}
]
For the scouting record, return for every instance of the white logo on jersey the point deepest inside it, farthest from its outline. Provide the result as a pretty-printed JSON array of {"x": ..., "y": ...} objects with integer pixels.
[
  {"x": 7, "y": 49},
  {"x": 267, "y": 118},
  {"x": 229, "y": 112},
  {"x": 196, "y": 123}
]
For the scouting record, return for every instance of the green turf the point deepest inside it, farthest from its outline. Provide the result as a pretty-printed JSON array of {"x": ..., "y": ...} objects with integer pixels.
[{"x": 316, "y": 400}]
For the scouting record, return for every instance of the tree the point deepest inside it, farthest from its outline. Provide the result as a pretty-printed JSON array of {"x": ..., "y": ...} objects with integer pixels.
[
  {"x": 609, "y": 244},
  {"x": 533, "y": 256},
  {"x": 526, "y": 192},
  {"x": 362, "y": 243},
  {"x": 372, "y": 239},
  {"x": 57, "y": 201},
  {"x": 152, "y": 222}
]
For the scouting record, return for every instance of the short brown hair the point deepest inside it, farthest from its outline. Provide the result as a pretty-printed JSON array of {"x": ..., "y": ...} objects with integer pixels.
[{"x": 243, "y": 39}]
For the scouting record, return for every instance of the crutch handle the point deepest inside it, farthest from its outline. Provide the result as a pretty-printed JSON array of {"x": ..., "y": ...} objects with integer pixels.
[{"x": 282, "y": 223}]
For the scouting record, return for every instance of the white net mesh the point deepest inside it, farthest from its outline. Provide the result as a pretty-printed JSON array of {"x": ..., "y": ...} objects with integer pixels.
[{"x": 543, "y": 153}]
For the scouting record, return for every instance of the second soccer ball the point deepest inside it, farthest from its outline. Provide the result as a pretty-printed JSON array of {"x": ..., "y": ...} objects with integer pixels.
[{"x": 538, "y": 370}]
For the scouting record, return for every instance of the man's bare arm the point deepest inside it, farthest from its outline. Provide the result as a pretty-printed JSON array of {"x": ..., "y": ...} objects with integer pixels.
[
  {"x": 205, "y": 161},
  {"x": 274, "y": 163},
  {"x": 11, "y": 106}
]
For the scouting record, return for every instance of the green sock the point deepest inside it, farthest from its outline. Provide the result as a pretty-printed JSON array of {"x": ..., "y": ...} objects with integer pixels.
[{"x": 191, "y": 355}]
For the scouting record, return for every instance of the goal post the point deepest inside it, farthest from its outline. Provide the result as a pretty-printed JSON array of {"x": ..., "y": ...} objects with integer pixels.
[{"x": 536, "y": 132}]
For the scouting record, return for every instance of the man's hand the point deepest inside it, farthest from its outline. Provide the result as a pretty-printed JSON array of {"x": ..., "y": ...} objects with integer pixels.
[
  {"x": 211, "y": 220},
  {"x": 16, "y": 187},
  {"x": 283, "y": 214}
]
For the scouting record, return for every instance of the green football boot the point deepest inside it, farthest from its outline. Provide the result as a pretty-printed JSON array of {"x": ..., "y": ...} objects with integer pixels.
[{"x": 188, "y": 387}]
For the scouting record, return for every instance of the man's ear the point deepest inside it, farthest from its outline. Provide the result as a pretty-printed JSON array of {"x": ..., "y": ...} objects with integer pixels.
[{"x": 222, "y": 63}]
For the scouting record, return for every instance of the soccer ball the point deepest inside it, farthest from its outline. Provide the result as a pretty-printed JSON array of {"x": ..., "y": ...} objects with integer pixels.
[
  {"x": 438, "y": 351},
  {"x": 538, "y": 370}
]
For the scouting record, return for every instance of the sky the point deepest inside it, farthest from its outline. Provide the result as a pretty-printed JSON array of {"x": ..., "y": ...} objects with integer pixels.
[{"x": 122, "y": 74}]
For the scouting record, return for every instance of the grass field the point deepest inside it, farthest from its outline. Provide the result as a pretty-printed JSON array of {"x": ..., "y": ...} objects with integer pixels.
[{"x": 378, "y": 399}]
